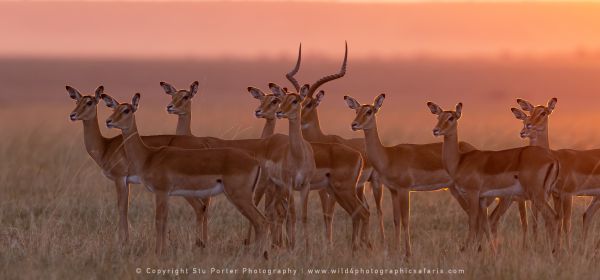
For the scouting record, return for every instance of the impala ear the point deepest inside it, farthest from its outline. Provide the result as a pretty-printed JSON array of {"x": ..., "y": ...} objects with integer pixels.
[
  {"x": 519, "y": 114},
  {"x": 256, "y": 93},
  {"x": 552, "y": 104},
  {"x": 434, "y": 108},
  {"x": 458, "y": 110},
  {"x": 73, "y": 93},
  {"x": 277, "y": 91},
  {"x": 109, "y": 101},
  {"x": 99, "y": 92},
  {"x": 304, "y": 91},
  {"x": 525, "y": 105},
  {"x": 169, "y": 89},
  {"x": 194, "y": 88},
  {"x": 135, "y": 101},
  {"x": 378, "y": 102},
  {"x": 352, "y": 103},
  {"x": 320, "y": 95}
]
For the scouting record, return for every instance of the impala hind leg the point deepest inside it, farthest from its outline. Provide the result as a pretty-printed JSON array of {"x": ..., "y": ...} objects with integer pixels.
[
  {"x": 397, "y": 216},
  {"x": 240, "y": 195},
  {"x": 524, "y": 225},
  {"x": 345, "y": 195},
  {"x": 264, "y": 185},
  {"x": 588, "y": 215},
  {"x": 328, "y": 205},
  {"x": 122, "y": 188},
  {"x": 377, "y": 189},
  {"x": 200, "y": 207},
  {"x": 291, "y": 221},
  {"x": 162, "y": 211},
  {"x": 567, "y": 209}
]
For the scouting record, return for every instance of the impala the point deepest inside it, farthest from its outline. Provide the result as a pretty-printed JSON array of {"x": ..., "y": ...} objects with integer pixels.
[
  {"x": 109, "y": 155},
  {"x": 338, "y": 167},
  {"x": 529, "y": 172},
  {"x": 172, "y": 171},
  {"x": 311, "y": 130},
  {"x": 578, "y": 175},
  {"x": 402, "y": 168}
]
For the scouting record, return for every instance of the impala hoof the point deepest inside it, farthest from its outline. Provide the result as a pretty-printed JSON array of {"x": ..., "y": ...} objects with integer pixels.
[
  {"x": 266, "y": 255},
  {"x": 246, "y": 242},
  {"x": 200, "y": 244}
]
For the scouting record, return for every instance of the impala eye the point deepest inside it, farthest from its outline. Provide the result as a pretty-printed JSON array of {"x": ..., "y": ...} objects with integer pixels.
[
  {"x": 543, "y": 114},
  {"x": 369, "y": 112},
  {"x": 126, "y": 111},
  {"x": 274, "y": 101},
  {"x": 295, "y": 101},
  {"x": 451, "y": 119},
  {"x": 186, "y": 97},
  {"x": 89, "y": 103}
]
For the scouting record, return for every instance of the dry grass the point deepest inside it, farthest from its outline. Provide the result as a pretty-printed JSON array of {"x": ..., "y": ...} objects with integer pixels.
[{"x": 58, "y": 221}]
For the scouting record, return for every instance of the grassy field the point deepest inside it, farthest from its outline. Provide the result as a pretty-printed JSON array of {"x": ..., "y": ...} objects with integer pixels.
[{"x": 58, "y": 221}]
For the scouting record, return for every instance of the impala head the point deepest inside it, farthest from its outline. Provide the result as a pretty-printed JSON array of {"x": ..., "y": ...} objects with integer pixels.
[
  {"x": 290, "y": 103},
  {"x": 85, "y": 105},
  {"x": 447, "y": 120},
  {"x": 181, "y": 100},
  {"x": 538, "y": 118},
  {"x": 365, "y": 114},
  {"x": 269, "y": 103},
  {"x": 309, "y": 106},
  {"x": 122, "y": 116}
]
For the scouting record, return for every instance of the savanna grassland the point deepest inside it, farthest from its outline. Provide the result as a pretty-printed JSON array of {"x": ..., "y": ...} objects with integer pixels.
[{"x": 58, "y": 217}]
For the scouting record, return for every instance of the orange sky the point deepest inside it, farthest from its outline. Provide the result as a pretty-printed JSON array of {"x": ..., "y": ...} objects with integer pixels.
[{"x": 271, "y": 29}]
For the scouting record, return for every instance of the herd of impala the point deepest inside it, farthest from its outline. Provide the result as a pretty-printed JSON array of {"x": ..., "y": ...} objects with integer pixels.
[{"x": 306, "y": 159}]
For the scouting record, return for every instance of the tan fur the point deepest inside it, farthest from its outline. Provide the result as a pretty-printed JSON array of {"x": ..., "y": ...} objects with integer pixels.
[
  {"x": 173, "y": 171},
  {"x": 110, "y": 156},
  {"x": 477, "y": 173},
  {"x": 403, "y": 168}
]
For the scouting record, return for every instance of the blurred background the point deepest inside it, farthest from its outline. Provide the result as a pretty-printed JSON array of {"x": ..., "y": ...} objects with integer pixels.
[{"x": 485, "y": 54}]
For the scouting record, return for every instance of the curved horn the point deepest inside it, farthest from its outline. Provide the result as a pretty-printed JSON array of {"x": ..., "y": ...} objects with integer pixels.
[
  {"x": 330, "y": 78},
  {"x": 291, "y": 74}
]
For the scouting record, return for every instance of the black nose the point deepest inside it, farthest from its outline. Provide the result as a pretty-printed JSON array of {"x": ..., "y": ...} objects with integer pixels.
[
  {"x": 436, "y": 131},
  {"x": 73, "y": 116},
  {"x": 169, "y": 107}
]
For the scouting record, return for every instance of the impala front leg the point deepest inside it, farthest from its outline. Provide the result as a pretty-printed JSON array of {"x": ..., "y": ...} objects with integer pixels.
[
  {"x": 472, "y": 200},
  {"x": 122, "y": 188},
  {"x": 162, "y": 210},
  {"x": 404, "y": 202},
  {"x": 304, "y": 202},
  {"x": 377, "y": 189}
]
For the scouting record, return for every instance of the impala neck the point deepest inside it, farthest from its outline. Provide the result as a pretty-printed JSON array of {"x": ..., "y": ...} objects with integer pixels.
[
  {"x": 541, "y": 139},
  {"x": 269, "y": 128},
  {"x": 137, "y": 152},
  {"x": 184, "y": 124},
  {"x": 295, "y": 136},
  {"x": 450, "y": 152},
  {"x": 375, "y": 150},
  {"x": 312, "y": 129},
  {"x": 95, "y": 143}
]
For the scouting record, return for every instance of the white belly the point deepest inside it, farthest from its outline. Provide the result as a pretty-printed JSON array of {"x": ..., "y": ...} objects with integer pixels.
[
  {"x": 592, "y": 192},
  {"x": 215, "y": 190},
  {"x": 514, "y": 190},
  {"x": 134, "y": 180},
  {"x": 428, "y": 188}
]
